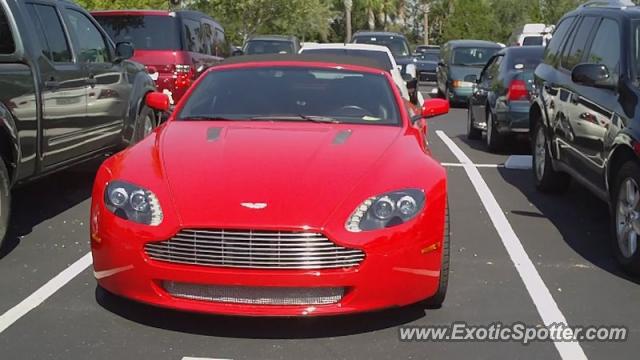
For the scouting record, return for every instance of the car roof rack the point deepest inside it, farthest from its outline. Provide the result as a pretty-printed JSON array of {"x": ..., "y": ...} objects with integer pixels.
[{"x": 617, "y": 4}]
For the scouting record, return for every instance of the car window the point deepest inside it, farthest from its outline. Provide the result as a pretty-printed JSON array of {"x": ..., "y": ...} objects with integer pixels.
[
  {"x": 192, "y": 35},
  {"x": 380, "y": 57},
  {"x": 573, "y": 55},
  {"x": 221, "y": 45},
  {"x": 53, "y": 41},
  {"x": 206, "y": 38},
  {"x": 605, "y": 48},
  {"x": 472, "y": 56},
  {"x": 92, "y": 47},
  {"x": 142, "y": 31},
  {"x": 553, "y": 50},
  {"x": 258, "y": 47},
  {"x": 294, "y": 94},
  {"x": 7, "y": 46},
  {"x": 532, "y": 41},
  {"x": 396, "y": 44}
]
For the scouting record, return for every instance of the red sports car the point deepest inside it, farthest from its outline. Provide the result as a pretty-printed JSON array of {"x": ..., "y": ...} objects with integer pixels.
[{"x": 280, "y": 186}]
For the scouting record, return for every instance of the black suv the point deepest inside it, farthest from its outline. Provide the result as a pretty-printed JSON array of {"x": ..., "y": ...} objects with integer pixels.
[
  {"x": 585, "y": 117},
  {"x": 67, "y": 93}
]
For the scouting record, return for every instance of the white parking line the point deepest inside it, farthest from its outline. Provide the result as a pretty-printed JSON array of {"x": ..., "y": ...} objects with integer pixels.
[
  {"x": 43, "y": 293},
  {"x": 542, "y": 298},
  {"x": 476, "y": 165}
]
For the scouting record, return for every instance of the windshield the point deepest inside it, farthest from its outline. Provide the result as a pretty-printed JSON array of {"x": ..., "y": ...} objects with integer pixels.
[
  {"x": 532, "y": 41},
  {"x": 257, "y": 47},
  {"x": 293, "y": 94},
  {"x": 380, "y": 57},
  {"x": 429, "y": 56},
  {"x": 472, "y": 56},
  {"x": 528, "y": 59},
  {"x": 398, "y": 45},
  {"x": 143, "y": 31}
]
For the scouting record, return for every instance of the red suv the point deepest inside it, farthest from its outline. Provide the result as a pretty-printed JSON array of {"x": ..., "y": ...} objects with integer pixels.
[{"x": 175, "y": 46}]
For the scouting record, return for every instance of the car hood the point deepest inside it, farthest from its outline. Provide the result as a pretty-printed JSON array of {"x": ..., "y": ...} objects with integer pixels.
[
  {"x": 459, "y": 72},
  {"x": 267, "y": 174}
]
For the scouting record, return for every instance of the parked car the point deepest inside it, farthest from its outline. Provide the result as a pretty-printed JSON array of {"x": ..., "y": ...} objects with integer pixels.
[
  {"x": 396, "y": 43},
  {"x": 461, "y": 62},
  {"x": 532, "y": 35},
  {"x": 175, "y": 46},
  {"x": 378, "y": 53},
  {"x": 271, "y": 44},
  {"x": 585, "y": 117},
  {"x": 427, "y": 65},
  {"x": 67, "y": 93},
  {"x": 500, "y": 100},
  {"x": 219, "y": 239}
]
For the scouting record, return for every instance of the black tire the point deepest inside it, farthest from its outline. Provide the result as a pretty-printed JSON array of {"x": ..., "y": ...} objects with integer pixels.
[
  {"x": 622, "y": 215},
  {"x": 5, "y": 202},
  {"x": 495, "y": 140},
  {"x": 436, "y": 301},
  {"x": 546, "y": 178},
  {"x": 145, "y": 116},
  {"x": 473, "y": 133}
]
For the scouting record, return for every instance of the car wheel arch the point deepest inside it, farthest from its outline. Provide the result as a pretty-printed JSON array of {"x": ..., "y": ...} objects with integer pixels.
[{"x": 618, "y": 156}]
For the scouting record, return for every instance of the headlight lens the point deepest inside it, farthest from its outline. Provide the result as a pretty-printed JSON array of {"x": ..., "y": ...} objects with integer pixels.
[
  {"x": 386, "y": 210},
  {"x": 133, "y": 203}
]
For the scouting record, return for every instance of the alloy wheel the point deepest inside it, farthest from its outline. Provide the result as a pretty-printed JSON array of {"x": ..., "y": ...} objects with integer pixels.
[{"x": 628, "y": 217}]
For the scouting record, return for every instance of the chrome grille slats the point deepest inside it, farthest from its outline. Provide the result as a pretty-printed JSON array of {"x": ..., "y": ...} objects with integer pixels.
[{"x": 255, "y": 249}]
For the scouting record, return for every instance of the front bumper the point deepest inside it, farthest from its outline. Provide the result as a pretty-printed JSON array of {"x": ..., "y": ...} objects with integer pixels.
[{"x": 389, "y": 276}]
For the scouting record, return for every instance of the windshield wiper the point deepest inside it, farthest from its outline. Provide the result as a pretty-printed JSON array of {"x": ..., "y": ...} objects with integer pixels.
[{"x": 312, "y": 118}]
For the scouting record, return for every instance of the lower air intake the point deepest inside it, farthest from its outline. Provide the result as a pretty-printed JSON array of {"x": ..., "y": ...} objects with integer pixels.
[{"x": 255, "y": 295}]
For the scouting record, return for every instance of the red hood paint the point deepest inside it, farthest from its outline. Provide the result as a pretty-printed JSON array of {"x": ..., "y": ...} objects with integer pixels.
[{"x": 301, "y": 171}]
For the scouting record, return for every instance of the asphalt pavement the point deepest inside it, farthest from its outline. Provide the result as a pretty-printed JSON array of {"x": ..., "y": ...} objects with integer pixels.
[{"x": 497, "y": 231}]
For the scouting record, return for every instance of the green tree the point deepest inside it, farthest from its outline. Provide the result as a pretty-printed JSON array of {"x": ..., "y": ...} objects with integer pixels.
[
  {"x": 123, "y": 4},
  {"x": 468, "y": 19}
]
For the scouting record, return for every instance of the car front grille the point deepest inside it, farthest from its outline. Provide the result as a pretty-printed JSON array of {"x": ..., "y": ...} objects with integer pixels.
[
  {"x": 427, "y": 76},
  {"x": 254, "y": 295},
  {"x": 254, "y": 250}
]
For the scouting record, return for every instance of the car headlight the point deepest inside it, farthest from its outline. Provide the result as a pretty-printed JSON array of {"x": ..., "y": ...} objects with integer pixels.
[
  {"x": 386, "y": 210},
  {"x": 133, "y": 203}
]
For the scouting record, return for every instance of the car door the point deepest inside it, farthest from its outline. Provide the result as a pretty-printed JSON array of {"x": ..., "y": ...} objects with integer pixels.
[
  {"x": 593, "y": 109},
  {"x": 63, "y": 90},
  {"x": 107, "y": 89},
  {"x": 482, "y": 90},
  {"x": 569, "y": 93}
]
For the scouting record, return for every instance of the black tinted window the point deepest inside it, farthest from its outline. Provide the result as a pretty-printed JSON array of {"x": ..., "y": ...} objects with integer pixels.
[
  {"x": 380, "y": 57},
  {"x": 221, "y": 45},
  {"x": 92, "y": 46},
  {"x": 472, "y": 56},
  {"x": 7, "y": 45},
  {"x": 145, "y": 32},
  {"x": 552, "y": 53},
  {"x": 291, "y": 94},
  {"x": 257, "y": 47},
  {"x": 532, "y": 41},
  {"x": 54, "y": 40},
  {"x": 397, "y": 45},
  {"x": 606, "y": 46},
  {"x": 573, "y": 55},
  {"x": 192, "y": 35},
  {"x": 525, "y": 58}
]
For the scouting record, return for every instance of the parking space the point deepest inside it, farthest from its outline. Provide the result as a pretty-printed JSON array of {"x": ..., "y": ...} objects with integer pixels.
[{"x": 565, "y": 237}]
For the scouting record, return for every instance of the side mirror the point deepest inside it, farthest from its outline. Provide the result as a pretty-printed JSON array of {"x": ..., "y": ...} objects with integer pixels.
[
  {"x": 472, "y": 78},
  {"x": 237, "y": 52},
  {"x": 435, "y": 107},
  {"x": 595, "y": 75},
  {"x": 124, "y": 50},
  {"x": 157, "y": 101}
]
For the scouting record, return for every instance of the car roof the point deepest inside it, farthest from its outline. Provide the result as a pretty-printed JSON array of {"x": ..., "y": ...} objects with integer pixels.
[
  {"x": 306, "y": 58},
  {"x": 350, "y": 46},
  {"x": 378, "y": 33},
  {"x": 602, "y": 8},
  {"x": 273, "y": 37},
  {"x": 135, "y": 12},
  {"x": 484, "y": 43},
  {"x": 522, "y": 50}
]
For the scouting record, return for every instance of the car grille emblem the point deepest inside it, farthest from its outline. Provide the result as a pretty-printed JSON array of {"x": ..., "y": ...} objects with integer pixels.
[{"x": 256, "y": 206}]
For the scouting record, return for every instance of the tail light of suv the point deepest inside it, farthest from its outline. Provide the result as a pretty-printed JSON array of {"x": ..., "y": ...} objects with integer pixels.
[
  {"x": 517, "y": 90},
  {"x": 184, "y": 74}
]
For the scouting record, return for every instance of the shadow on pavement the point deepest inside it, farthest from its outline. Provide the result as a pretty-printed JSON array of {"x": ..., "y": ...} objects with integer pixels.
[
  {"x": 581, "y": 218},
  {"x": 46, "y": 198},
  {"x": 514, "y": 145},
  {"x": 253, "y": 327}
]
